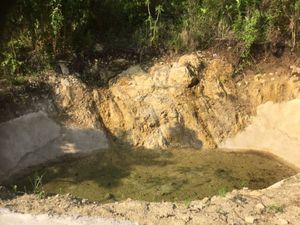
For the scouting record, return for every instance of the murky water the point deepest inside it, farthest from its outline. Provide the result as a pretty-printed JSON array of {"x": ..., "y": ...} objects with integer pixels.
[{"x": 177, "y": 175}]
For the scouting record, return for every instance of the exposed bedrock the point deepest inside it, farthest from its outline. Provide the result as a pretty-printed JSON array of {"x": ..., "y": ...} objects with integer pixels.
[
  {"x": 190, "y": 103},
  {"x": 173, "y": 105}
]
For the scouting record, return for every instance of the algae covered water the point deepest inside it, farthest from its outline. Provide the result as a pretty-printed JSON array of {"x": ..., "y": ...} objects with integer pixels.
[{"x": 175, "y": 175}]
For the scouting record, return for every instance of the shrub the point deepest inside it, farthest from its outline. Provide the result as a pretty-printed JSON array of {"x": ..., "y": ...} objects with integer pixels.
[{"x": 37, "y": 33}]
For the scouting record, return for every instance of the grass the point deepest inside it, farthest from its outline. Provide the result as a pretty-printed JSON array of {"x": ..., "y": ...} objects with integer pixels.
[
  {"x": 22, "y": 79},
  {"x": 275, "y": 208},
  {"x": 37, "y": 185},
  {"x": 222, "y": 192},
  {"x": 188, "y": 202},
  {"x": 244, "y": 183}
]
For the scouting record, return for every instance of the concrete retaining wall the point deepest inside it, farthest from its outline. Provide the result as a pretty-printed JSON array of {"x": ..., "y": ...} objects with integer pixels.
[
  {"x": 275, "y": 129},
  {"x": 34, "y": 139}
]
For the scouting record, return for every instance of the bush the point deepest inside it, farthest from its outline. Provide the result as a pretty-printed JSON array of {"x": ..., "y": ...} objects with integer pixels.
[{"x": 37, "y": 33}]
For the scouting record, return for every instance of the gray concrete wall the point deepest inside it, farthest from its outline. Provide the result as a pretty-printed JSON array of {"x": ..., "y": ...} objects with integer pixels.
[
  {"x": 275, "y": 129},
  {"x": 34, "y": 139}
]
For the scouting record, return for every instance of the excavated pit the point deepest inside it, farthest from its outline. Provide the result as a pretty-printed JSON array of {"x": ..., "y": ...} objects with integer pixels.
[{"x": 156, "y": 118}]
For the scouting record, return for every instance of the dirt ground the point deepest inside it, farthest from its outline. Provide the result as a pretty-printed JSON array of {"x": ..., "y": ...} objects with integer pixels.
[{"x": 278, "y": 204}]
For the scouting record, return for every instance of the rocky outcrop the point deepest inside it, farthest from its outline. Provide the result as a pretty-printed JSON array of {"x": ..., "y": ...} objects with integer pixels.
[
  {"x": 74, "y": 102},
  {"x": 193, "y": 102},
  {"x": 274, "y": 87},
  {"x": 171, "y": 105}
]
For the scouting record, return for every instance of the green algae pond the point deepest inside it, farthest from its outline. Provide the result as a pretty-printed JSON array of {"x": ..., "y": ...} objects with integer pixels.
[{"x": 150, "y": 175}]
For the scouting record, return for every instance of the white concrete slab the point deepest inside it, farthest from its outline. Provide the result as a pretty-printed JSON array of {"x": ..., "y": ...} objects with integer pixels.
[{"x": 10, "y": 218}]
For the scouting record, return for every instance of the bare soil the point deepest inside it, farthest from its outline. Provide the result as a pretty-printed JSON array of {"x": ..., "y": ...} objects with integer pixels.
[{"x": 278, "y": 204}]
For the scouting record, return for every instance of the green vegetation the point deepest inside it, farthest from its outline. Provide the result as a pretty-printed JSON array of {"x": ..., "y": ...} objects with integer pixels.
[
  {"x": 222, "y": 192},
  {"x": 37, "y": 185},
  {"x": 244, "y": 183},
  {"x": 35, "y": 34},
  {"x": 275, "y": 208},
  {"x": 188, "y": 202}
]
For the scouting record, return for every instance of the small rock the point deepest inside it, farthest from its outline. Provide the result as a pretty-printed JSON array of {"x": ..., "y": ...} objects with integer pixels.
[
  {"x": 189, "y": 60},
  {"x": 98, "y": 48},
  {"x": 255, "y": 193},
  {"x": 260, "y": 207},
  {"x": 120, "y": 63},
  {"x": 63, "y": 67},
  {"x": 205, "y": 200},
  {"x": 249, "y": 219},
  {"x": 179, "y": 76},
  {"x": 109, "y": 196},
  {"x": 213, "y": 198},
  {"x": 84, "y": 201},
  {"x": 295, "y": 70},
  {"x": 283, "y": 221}
]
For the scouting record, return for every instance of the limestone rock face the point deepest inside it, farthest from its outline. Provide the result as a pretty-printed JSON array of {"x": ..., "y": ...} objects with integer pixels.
[
  {"x": 74, "y": 102},
  {"x": 193, "y": 102},
  {"x": 191, "y": 60},
  {"x": 165, "y": 107},
  {"x": 179, "y": 76}
]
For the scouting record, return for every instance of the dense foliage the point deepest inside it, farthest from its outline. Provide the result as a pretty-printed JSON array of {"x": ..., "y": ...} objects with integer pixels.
[{"x": 38, "y": 32}]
